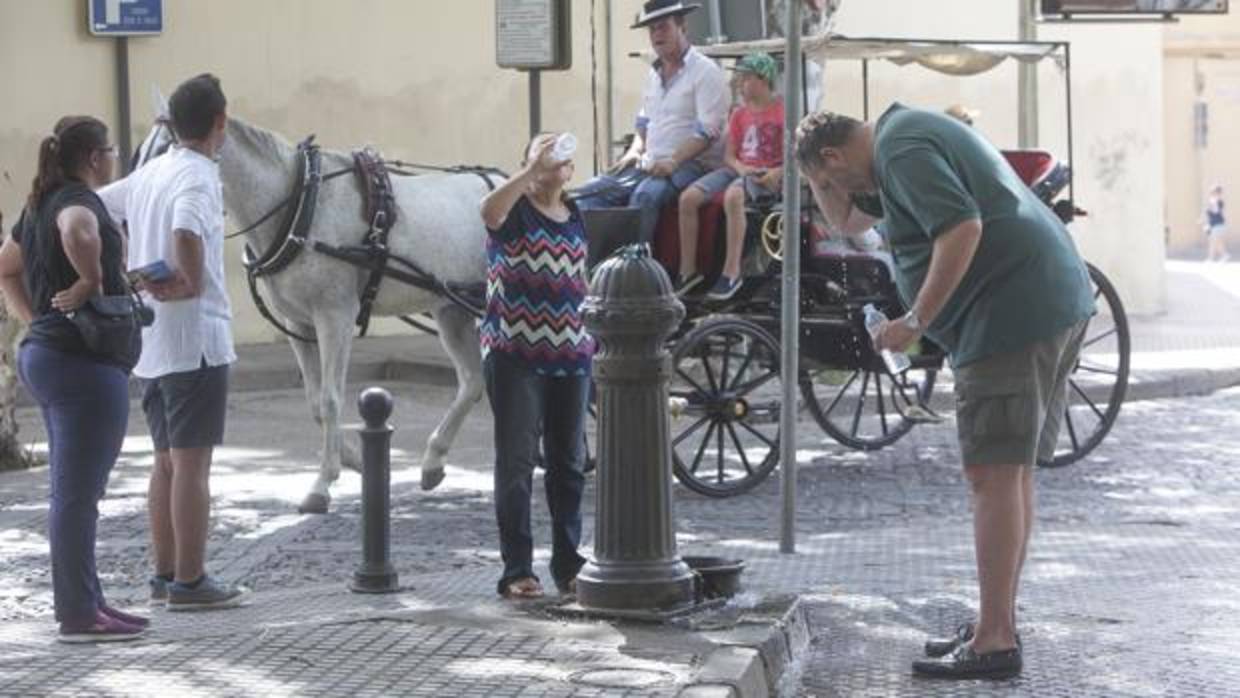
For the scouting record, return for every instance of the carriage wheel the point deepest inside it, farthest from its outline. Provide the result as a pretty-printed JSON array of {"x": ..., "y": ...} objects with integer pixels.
[
  {"x": 725, "y": 396},
  {"x": 1099, "y": 381},
  {"x": 858, "y": 407}
]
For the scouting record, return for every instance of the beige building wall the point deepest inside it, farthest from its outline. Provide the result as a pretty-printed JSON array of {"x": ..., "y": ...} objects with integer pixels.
[
  {"x": 419, "y": 81},
  {"x": 1202, "y": 53},
  {"x": 49, "y": 67}
]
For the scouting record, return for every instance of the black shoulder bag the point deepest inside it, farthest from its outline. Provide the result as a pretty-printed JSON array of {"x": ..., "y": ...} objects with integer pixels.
[{"x": 111, "y": 327}]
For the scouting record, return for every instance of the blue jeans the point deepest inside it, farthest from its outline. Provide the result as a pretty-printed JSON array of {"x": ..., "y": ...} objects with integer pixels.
[
  {"x": 635, "y": 188},
  {"x": 530, "y": 407},
  {"x": 85, "y": 405}
]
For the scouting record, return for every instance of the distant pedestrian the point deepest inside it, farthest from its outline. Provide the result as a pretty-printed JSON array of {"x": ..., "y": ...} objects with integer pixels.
[
  {"x": 175, "y": 212},
  {"x": 536, "y": 363},
  {"x": 1216, "y": 226},
  {"x": 64, "y": 250}
]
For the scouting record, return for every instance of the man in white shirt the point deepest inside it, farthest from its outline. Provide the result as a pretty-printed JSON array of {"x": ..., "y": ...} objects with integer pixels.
[
  {"x": 175, "y": 213},
  {"x": 684, "y": 107}
]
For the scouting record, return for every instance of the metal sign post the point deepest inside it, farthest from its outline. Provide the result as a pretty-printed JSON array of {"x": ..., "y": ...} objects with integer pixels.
[
  {"x": 790, "y": 320},
  {"x": 122, "y": 19},
  {"x": 533, "y": 35}
]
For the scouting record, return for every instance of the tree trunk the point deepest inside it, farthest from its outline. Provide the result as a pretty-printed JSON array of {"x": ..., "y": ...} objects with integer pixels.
[{"x": 12, "y": 455}]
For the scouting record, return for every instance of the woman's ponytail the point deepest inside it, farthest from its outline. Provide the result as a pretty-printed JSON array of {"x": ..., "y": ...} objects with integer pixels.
[{"x": 70, "y": 146}]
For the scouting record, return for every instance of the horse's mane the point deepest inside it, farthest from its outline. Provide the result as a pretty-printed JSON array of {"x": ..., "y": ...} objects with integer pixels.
[
  {"x": 261, "y": 139},
  {"x": 274, "y": 146}
]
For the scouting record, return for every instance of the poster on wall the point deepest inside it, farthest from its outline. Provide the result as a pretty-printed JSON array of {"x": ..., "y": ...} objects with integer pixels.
[{"x": 1133, "y": 7}]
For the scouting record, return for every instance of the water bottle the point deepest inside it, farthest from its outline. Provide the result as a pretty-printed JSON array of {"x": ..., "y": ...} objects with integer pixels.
[
  {"x": 897, "y": 361},
  {"x": 565, "y": 146}
]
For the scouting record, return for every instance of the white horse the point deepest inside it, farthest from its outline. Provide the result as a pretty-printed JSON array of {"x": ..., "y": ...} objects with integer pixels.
[{"x": 438, "y": 226}]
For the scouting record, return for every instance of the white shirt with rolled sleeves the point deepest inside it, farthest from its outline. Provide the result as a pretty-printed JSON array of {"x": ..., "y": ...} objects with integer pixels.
[
  {"x": 694, "y": 102},
  {"x": 179, "y": 190}
]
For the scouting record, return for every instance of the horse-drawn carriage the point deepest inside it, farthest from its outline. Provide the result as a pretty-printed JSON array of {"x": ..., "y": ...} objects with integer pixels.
[
  {"x": 726, "y": 392},
  {"x": 322, "y": 275}
]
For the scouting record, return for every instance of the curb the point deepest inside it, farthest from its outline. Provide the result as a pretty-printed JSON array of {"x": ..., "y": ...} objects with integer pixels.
[
  {"x": 251, "y": 374},
  {"x": 438, "y": 371},
  {"x": 756, "y": 669}
]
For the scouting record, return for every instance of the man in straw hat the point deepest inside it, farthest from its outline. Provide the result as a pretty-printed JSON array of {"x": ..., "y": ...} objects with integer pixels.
[{"x": 684, "y": 106}]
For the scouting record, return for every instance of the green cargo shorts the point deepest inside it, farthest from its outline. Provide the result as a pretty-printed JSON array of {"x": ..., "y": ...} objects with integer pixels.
[{"x": 1009, "y": 407}]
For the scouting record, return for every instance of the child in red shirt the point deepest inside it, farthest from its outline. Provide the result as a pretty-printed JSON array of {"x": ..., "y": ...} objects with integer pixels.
[{"x": 753, "y": 162}]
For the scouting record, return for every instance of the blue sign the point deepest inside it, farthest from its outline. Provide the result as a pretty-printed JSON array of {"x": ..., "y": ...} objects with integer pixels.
[{"x": 125, "y": 17}]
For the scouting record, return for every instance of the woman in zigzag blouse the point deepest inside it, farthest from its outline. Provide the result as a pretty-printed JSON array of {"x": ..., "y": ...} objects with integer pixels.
[{"x": 536, "y": 363}]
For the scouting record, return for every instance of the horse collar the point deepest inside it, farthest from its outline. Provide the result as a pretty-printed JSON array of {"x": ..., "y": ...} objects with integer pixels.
[{"x": 295, "y": 231}]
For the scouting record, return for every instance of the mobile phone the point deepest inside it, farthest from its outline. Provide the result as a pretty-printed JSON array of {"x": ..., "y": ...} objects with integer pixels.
[{"x": 155, "y": 272}]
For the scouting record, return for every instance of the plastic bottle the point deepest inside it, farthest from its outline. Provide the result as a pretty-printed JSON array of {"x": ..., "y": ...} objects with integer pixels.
[
  {"x": 897, "y": 361},
  {"x": 565, "y": 146}
]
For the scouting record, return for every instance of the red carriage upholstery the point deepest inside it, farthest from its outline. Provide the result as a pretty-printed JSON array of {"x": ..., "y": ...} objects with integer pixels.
[
  {"x": 710, "y": 228},
  {"x": 1031, "y": 165}
]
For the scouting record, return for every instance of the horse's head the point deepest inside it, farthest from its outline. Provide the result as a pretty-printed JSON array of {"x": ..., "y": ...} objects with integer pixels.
[{"x": 159, "y": 138}]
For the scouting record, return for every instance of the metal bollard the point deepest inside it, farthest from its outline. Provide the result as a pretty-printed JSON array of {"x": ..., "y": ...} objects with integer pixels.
[
  {"x": 630, "y": 311},
  {"x": 375, "y": 575}
]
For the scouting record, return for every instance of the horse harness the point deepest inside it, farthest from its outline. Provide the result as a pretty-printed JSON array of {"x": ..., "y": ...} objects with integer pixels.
[{"x": 373, "y": 253}]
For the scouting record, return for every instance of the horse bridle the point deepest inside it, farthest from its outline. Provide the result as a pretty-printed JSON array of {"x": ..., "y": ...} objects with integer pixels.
[{"x": 161, "y": 123}]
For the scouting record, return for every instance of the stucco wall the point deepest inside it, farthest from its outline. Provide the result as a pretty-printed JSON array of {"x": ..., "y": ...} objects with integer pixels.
[{"x": 49, "y": 67}]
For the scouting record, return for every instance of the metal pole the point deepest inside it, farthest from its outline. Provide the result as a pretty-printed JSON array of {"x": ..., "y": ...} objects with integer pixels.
[
  {"x": 865, "y": 89},
  {"x": 1027, "y": 79},
  {"x": 1067, "y": 67},
  {"x": 123, "y": 126},
  {"x": 716, "y": 23},
  {"x": 535, "y": 102},
  {"x": 611, "y": 90},
  {"x": 790, "y": 320},
  {"x": 375, "y": 575}
]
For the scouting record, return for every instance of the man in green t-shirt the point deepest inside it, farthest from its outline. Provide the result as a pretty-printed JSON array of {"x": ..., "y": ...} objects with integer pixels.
[{"x": 991, "y": 274}]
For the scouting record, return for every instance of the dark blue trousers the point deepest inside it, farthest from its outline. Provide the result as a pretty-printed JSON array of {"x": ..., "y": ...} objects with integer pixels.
[
  {"x": 85, "y": 407},
  {"x": 530, "y": 408},
  {"x": 636, "y": 189}
]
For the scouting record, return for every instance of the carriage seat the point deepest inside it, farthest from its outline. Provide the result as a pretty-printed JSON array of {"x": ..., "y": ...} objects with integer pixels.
[
  {"x": 712, "y": 236},
  {"x": 1040, "y": 171}
]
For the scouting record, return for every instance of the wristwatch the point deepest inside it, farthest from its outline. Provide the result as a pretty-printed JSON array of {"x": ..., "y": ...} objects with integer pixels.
[{"x": 911, "y": 321}]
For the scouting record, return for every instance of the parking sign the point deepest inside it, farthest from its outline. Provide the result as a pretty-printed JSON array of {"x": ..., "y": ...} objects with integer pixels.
[{"x": 125, "y": 17}]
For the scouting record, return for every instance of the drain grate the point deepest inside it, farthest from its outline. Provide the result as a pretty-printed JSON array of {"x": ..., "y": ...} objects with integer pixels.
[{"x": 622, "y": 677}]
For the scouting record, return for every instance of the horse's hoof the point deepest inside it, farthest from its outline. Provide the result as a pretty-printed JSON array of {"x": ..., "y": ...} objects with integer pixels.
[
  {"x": 431, "y": 478},
  {"x": 314, "y": 504}
]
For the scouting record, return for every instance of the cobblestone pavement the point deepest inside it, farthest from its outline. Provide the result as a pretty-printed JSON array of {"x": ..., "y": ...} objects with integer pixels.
[{"x": 1131, "y": 588}]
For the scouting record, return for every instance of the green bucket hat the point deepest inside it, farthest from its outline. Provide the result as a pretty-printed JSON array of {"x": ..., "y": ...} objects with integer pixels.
[{"x": 760, "y": 64}]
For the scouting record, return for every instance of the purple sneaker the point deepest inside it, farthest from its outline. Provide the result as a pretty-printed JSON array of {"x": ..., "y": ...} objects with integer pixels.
[
  {"x": 105, "y": 628},
  {"x": 123, "y": 617}
]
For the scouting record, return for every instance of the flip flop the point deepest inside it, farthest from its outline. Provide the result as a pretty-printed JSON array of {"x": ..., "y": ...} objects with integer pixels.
[{"x": 523, "y": 589}]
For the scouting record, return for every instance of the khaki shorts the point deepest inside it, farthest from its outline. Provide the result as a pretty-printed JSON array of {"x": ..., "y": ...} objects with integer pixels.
[{"x": 1009, "y": 407}]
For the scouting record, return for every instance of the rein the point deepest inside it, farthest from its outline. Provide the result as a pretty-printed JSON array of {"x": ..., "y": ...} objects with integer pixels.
[
  {"x": 284, "y": 204},
  {"x": 399, "y": 168}
]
